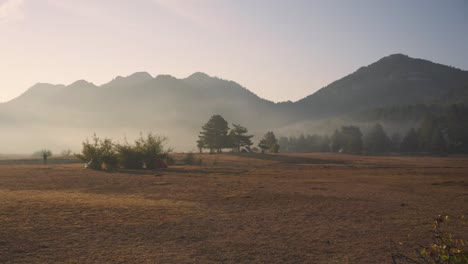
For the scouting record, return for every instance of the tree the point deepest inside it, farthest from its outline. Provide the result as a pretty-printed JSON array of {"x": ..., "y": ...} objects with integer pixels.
[
  {"x": 410, "y": 143},
  {"x": 269, "y": 142},
  {"x": 45, "y": 153},
  {"x": 348, "y": 140},
  {"x": 337, "y": 141},
  {"x": 438, "y": 144},
  {"x": 377, "y": 141},
  {"x": 200, "y": 145},
  {"x": 426, "y": 130},
  {"x": 214, "y": 134},
  {"x": 395, "y": 142},
  {"x": 353, "y": 139},
  {"x": 239, "y": 138}
]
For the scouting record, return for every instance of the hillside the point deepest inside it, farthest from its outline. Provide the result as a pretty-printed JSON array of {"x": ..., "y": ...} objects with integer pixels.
[
  {"x": 395, "y": 80},
  {"x": 57, "y": 115}
]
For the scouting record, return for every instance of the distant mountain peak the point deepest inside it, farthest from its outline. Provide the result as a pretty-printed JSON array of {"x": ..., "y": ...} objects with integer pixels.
[
  {"x": 397, "y": 56},
  {"x": 199, "y": 76},
  {"x": 45, "y": 86},
  {"x": 135, "y": 78},
  {"x": 81, "y": 83},
  {"x": 140, "y": 76}
]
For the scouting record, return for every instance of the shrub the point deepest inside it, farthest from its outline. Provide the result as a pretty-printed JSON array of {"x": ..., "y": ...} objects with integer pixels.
[
  {"x": 146, "y": 151},
  {"x": 97, "y": 153},
  {"x": 129, "y": 157},
  {"x": 152, "y": 148}
]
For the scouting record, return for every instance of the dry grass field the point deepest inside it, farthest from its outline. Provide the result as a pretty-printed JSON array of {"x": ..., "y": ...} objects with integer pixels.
[{"x": 311, "y": 208}]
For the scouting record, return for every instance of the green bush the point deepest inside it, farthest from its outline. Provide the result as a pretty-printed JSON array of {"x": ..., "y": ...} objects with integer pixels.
[
  {"x": 152, "y": 148},
  {"x": 99, "y": 152},
  {"x": 129, "y": 157},
  {"x": 145, "y": 152}
]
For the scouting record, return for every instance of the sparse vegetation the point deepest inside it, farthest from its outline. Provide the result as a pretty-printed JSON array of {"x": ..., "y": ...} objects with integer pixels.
[
  {"x": 146, "y": 152},
  {"x": 447, "y": 247}
]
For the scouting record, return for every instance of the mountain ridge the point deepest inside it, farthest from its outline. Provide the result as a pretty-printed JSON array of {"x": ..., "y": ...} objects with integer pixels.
[{"x": 178, "y": 107}]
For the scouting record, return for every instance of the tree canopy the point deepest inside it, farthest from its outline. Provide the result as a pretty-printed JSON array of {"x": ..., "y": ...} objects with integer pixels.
[
  {"x": 214, "y": 134},
  {"x": 239, "y": 138},
  {"x": 269, "y": 142},
  {"x": 377, "y": 141}
]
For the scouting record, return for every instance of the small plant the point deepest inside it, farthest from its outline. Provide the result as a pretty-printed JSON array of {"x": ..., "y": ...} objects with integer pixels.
[{"x": 446, "y": 248}]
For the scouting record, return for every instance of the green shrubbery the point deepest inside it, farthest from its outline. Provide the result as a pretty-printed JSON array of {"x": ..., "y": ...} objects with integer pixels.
[{"x": 145, "y": 152}]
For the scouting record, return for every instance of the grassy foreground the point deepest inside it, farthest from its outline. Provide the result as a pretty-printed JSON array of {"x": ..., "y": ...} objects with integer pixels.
[{"x": 311, "y": 208}]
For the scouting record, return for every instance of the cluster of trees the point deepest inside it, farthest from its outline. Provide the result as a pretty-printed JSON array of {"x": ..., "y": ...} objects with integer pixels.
[
  {"x": 447, "y": 133},
  {"x": 435, "y": 135},
  {"x": 216, "y": 136},
  {"x": 146, "y": 152}
]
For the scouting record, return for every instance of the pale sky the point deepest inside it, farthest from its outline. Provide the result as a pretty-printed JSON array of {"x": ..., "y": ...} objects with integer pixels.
[{"x": 280, "y": 50}]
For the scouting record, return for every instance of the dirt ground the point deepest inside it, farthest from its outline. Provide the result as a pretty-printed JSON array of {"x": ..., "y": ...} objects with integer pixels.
[{"x": 311, "y": 208}]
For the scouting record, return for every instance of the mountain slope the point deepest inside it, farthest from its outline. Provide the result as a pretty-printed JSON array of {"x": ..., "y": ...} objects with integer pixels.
[{"x": 393, "y": 80}]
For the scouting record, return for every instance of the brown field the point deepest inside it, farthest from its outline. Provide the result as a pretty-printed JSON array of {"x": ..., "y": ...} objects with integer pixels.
[{"x": 312, "y": 208}]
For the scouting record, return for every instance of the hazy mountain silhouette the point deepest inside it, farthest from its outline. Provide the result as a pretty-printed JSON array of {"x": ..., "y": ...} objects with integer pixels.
[
  {"x": 391, "y": 81},
  {"x": 178, "y": 107}
]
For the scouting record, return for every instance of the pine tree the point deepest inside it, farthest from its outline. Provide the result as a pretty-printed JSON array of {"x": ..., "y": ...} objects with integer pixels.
[
  {"x": 239, "y": 138},
  {"x": 377, "y": 141},
  {"x": 269, "y": 142},
  {"x": 214, "y": 134},
  {"x": 352, "y": 139},
  {"x": 410, "y": 143}
]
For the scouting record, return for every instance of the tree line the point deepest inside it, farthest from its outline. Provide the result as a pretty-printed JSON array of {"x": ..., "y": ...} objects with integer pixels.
[{"x": 435, "y": 135}]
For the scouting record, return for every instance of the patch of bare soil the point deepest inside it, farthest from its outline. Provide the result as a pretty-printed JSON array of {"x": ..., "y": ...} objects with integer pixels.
[{"x": 311, "y": 208}]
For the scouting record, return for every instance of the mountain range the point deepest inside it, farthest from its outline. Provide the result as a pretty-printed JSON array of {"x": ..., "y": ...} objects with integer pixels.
[{"x": 59, "y": 116}]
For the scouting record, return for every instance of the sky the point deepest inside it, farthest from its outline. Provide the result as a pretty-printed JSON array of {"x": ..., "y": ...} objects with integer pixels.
[{"x": 280, "y": 50}]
